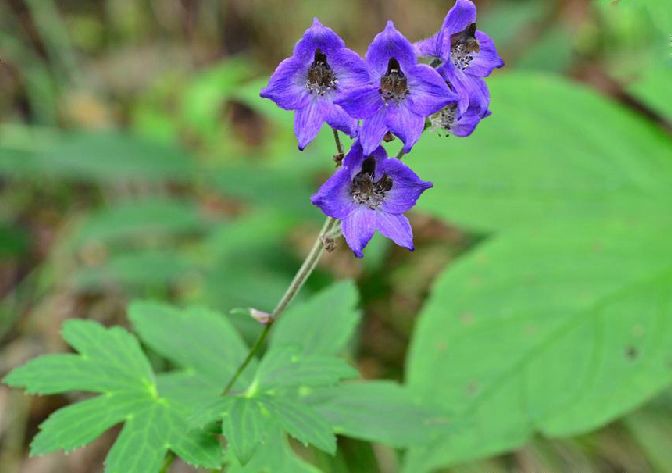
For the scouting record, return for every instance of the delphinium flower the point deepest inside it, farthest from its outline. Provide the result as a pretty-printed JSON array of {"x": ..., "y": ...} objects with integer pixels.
[
  {"x": 320, "y": 70},
  {"x": 449, "y": 120},
  {"x": 371, "y": 192},
  {"x": 463, "y": 56},
  {"x": 399, "y": 95}
]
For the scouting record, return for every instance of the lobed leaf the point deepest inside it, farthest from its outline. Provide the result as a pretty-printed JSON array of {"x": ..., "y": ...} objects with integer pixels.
[
  {"x": 195, "y": 339},
  {"x": 302, "y": 423},
  {"x": 245, "y": 425},
  {"x": 284, "y": 367},
  {"x": 322, "y": 325},
  {"x": 110, "y": 362},
  {"x": 380, "y": 411}
]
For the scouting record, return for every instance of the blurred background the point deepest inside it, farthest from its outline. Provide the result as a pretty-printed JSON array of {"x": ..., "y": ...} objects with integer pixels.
[{"x": 136, "y": 160}]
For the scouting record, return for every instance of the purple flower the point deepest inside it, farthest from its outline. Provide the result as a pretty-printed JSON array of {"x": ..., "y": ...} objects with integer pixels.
[
  {"x": 450, "y": 121},
  {"x": 371, "y": 192},
  {"x": 399, "y": 95},
  {"x": 320, "y": 70},
  {"x": 463, "y": 54}
]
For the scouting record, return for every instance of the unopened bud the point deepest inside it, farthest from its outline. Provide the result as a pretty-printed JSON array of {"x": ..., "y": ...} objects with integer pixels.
[{"x": 260, "y": 316}]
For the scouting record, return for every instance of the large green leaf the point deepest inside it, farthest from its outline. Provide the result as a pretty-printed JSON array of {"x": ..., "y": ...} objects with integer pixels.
[
  {"x": 110, "y": 362},
  {"x": 550, "y": 150},
  {"x": 558, "y": 323},
  {"x": 557, "y": 328}
]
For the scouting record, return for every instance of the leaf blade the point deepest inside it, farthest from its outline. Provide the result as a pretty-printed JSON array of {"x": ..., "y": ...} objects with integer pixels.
[{"x": 508, "y": 338}]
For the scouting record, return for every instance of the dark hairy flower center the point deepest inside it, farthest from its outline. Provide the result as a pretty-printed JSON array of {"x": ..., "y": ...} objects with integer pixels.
[
  {"x": 464, "y": 47},
  {"x": 393, "y": 84},
  {"x": 321, "y": 78},
  {"x": 445, "y": 118},
  {"x": 366, "y": 191}
]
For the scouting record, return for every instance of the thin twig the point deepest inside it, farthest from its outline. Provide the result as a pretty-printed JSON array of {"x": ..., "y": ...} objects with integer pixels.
[
  {"x": 250, "y": 355},
  {"x": 306, "y": 269}
]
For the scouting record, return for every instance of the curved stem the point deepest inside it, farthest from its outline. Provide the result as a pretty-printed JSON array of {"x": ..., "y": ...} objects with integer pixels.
[
  {"x": 294, "y": 287},
  {"x": 306, "y": 269}
]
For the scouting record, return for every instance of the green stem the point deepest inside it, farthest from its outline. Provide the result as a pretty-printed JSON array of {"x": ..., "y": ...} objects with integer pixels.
[
  {"x": 170, "y": 458},
  {"x": 253, "y": 351},
  {"x": 295, "y": 286},
  {"x": 306, "y": 269}
]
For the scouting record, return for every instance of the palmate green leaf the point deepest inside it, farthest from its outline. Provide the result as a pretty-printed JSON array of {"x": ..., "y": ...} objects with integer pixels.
[
  {"x": 287, "y": 366},
  {"x": 110, "y": 362},
  {"x": 568, "y": 153},
  {"x": 558, "y": 328},
  {"x": 245, "y": 425},
  {"x": 266, "y": 406},
  {"x": 276, "y": 456},
  {"x": 247, "y": 422},
  {"x": 302, "y": 423},
  {"x": 198, "y": 340},
  {"x": 323, "y": 325},
  {"x": 380, "y": 411}
]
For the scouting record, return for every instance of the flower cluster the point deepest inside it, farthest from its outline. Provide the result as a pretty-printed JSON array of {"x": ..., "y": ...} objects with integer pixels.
[{"x": 389, "y": 92}]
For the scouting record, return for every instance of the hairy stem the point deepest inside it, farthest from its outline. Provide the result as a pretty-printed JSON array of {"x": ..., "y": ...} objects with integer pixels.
[{"x": 306, "y": 269}]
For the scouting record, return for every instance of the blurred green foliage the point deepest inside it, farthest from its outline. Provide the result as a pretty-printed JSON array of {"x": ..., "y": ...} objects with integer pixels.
[{"x": 137, "y": 160}]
